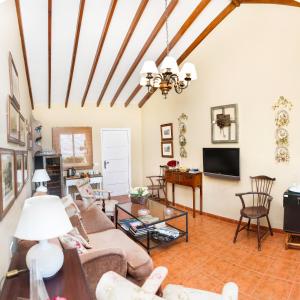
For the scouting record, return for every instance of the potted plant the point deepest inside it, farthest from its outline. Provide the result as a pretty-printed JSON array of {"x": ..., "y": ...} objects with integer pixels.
[{"x": 139, "y": 195}]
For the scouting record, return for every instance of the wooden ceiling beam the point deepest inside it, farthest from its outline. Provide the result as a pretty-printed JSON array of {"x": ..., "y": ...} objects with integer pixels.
[
  {"x": 211, "y": 26},
  {"x": 111, "y": 10},
  {"x": 126, "y": 40},
  {"x": 278, "y": 2},
  {"x": 49, "y": 50},
  {"x": 186, "y": 25},
  {"x": 20, "y": 23},
  {"x": 75, "y": 47},
  {"x": 147, "y": 44}
]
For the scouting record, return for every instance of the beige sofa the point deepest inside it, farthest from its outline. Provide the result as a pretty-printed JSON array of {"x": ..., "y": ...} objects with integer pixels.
[{"x": 112, "y": 250}]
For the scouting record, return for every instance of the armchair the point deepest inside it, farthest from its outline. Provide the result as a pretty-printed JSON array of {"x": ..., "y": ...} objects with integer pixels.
[
  {"x": 112, "y": 286},
  {"x": 90, "y": 195}
]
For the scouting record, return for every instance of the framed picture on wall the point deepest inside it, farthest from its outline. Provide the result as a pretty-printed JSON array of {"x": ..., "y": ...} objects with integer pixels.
[
  {"x": 13, "y": 122},
  {"x": 19, "y": 176},
  {"x": 25, "y": 164},
  {"x": 7, "y": 180},
  {"x": 14, "y": 81},
  {"x": 166, "y": 131},
  {"x": 22, "y": 131},
  {"x": 167, "y": 149}
]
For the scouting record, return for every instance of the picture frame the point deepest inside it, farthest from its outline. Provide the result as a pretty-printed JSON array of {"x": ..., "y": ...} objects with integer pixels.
[
  {"x": 22, "y": 139},
  {"x": 167, "y": 149},
  {"x": 224, "y": 124},
  {"x": 14, "y": 81},
  {"x": 7, "y": 181},
  {"x": 166, "y": 131},
  {"x": 13, "y": 122},
  {"x": 25, "y": 166},
  {"x": 19, "y": 171}
]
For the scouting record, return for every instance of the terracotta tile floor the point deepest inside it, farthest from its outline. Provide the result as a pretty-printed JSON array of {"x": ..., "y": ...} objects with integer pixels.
[{"x": 210, "y": 259}]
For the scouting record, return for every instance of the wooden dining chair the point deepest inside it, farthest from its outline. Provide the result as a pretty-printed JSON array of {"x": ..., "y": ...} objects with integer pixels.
[
  {"x": 158, "y": 183},
  {"x": 256, "y": 205}
]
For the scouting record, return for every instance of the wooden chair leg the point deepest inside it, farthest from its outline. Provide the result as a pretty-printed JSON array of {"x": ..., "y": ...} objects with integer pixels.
[
  {"x": 238, "y": 229},
  {"x": 248, "y": 226},
  {"x": 258, "y": 234},
  {"x": 269, "y": 224}
]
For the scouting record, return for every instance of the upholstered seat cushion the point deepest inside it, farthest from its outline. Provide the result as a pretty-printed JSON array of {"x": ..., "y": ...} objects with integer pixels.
[{"x": 139, "y": 263}]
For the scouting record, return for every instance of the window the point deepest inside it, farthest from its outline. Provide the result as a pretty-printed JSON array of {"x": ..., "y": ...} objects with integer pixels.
[{"x": 75, "y": 146}]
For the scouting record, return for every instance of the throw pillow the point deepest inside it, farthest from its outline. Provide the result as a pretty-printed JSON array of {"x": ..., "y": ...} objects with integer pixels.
[
  {"x": 76, "y": 222},
  {"x": 74, "y": 232},
  {"x": 70, "y": 206},
  {"x": 70, "y": 242}
]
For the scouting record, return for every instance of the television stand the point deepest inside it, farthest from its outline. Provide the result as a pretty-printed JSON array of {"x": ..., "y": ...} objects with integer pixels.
[{"x": 193, "y": 180}]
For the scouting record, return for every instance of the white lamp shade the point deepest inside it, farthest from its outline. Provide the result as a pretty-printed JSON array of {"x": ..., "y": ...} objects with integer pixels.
[
  {"x": 149, "y": 66},
  {"x": 189, "y": 68},
  {"x": 2, "y": 1},
  {"x": 42, "y": 218},
  {"x": 40, "y": 175},
  {"x": 169, "y": 62}
]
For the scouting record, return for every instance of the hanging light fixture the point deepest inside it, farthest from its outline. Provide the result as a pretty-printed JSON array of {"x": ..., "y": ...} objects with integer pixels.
[{"x": 169, "y": 76}]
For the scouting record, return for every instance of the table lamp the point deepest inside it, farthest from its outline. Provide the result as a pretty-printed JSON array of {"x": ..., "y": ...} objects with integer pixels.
[
  {"x": 43, "y": 218},
  {"x": 40, "y": 176}
]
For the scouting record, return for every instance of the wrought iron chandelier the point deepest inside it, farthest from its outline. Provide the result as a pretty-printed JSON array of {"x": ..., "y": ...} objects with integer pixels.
[{"x": 169, "y": 76}]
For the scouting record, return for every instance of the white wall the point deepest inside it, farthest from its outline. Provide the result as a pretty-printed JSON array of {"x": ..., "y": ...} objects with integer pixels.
[
  {"x": 10, "y": 41},
  {"x": 97, "y": 118},
  {"x": 251, "y": 59}
]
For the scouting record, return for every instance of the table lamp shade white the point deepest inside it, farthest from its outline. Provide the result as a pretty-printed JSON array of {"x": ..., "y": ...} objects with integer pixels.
[
  {"x": 40, "y": 176},
  {"x": 43, "y": 218}
]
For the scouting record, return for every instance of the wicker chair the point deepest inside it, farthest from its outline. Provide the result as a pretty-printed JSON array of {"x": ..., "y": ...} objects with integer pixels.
[{"x": 259, "y": 206}]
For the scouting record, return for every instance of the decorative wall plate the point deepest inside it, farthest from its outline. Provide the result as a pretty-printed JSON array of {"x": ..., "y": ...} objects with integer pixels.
[
  {"x": 282, "y": 154},
  {"x": 182, "y": 140},
  {"x": 282, "y": 118}
]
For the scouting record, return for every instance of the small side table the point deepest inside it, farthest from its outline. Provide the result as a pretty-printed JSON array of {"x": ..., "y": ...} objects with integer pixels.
[{"x": 70, "y": 282}]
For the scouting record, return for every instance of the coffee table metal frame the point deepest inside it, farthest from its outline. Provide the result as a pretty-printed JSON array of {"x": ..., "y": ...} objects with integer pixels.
[{"x": 146, "y": 241}]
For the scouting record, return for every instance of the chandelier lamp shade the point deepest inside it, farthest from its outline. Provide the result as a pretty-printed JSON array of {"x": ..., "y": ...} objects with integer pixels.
[{"x": 169, "y": 76}]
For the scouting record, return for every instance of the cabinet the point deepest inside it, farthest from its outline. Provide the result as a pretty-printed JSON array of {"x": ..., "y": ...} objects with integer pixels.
[
  {"x": 193, "y": 180},
  {"x": 53, "y": 165},
  {"x": 291, "y": 204}
]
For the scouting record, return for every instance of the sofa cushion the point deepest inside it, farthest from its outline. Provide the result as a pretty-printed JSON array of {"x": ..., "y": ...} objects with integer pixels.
[
  {"x": 139, "y": 263},
  {"x": 95, "y": 220},
  {"x": 77, "y": 223}
]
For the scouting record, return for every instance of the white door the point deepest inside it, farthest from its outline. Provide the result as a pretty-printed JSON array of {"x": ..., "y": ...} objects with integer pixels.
[{"x": 116, "y": 160}]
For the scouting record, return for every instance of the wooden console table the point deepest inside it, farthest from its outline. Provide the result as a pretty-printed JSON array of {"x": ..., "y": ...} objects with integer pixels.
[
  {"x": 193, "y": 180},
  {"x": 70, "y": 282}
]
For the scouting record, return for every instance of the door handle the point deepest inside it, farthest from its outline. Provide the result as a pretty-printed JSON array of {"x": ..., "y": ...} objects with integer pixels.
[{"x": 106, "y": 162}]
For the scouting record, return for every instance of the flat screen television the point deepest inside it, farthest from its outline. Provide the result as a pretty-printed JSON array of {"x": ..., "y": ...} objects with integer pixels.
[{"x": 222, "y": 162}]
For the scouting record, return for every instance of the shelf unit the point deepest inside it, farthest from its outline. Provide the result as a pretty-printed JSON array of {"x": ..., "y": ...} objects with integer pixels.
[{"x": 54, "y": 168}]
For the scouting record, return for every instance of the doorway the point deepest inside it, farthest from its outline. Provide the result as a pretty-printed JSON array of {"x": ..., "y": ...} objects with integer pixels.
[{"x": 116, "y": 160}]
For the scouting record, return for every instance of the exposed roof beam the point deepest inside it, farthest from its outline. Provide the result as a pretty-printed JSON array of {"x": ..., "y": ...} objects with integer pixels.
[
  {"x": 111, "y": 10},
  {"x": 280, "y": 2},
  {"x": 186, "y": 25},
  {"x": 147, "y": 44},
  {"x": 126, "y": 40},
  {"x": 75, "y": 47},
  {"x": 20, "y": 22},
  {"x": 211, "y": 26},
  {"x": 49, "y": 50}
]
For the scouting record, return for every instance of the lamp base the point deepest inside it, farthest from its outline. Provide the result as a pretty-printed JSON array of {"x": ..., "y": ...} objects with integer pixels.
[
  {"x": 49, "y": 258},
  {"x": 41, "y": 189}
]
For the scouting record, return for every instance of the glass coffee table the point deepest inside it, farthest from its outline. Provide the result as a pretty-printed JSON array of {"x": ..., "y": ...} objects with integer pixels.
[{"x": 153, "y": 224}]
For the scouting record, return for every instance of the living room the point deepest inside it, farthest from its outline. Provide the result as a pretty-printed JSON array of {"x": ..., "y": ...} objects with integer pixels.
[{"x": 248, "y": 58}]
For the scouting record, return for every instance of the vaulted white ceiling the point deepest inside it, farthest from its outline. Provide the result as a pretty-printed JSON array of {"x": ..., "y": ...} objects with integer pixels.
[
  {"x": 64, "y": 19},
  {"x": 64, "y": 16}
]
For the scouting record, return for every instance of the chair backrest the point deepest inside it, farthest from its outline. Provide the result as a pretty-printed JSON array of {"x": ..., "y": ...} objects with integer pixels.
[
  {"x": 86, "y": 192},
  {"x": 262, "y": 184}
]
